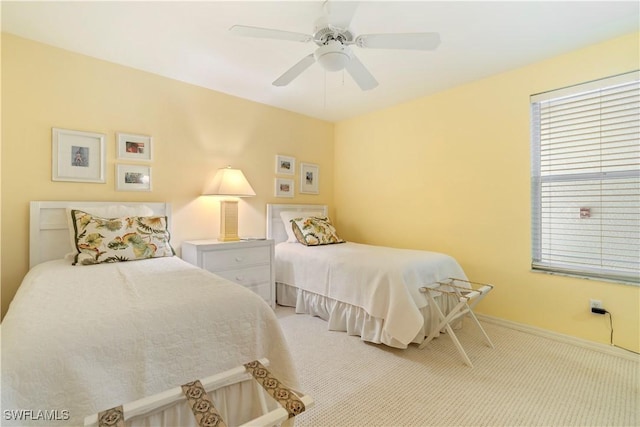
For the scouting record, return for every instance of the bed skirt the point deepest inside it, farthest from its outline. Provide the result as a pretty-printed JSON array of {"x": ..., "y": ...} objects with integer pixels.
[{"x": 353, "y": 320}]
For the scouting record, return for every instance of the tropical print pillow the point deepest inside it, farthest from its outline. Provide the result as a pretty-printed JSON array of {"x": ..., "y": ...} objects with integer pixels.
[
  {"x": 99, "y": 240},
  {"x": 287, "y": 216},
  {"x": 315, "y": 230}
]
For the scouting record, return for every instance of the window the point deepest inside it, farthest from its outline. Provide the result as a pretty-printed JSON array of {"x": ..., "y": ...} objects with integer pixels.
[{"x": 585, "y": 179}]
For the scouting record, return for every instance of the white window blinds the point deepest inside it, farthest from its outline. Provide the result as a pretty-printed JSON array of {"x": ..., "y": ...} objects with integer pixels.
[{"x": 586, "y": 179}]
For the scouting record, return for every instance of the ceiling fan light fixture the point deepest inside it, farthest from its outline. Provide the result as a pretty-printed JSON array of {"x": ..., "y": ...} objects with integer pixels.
[
  {"x": 332, "y": 56},
  {"x": 333, "y": 38}
]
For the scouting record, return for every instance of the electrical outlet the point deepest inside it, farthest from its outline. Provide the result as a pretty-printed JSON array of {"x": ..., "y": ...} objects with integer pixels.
[{"x": 595, "y": 303}]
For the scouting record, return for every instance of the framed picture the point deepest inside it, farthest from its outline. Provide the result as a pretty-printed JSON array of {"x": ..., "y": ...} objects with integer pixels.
[
  {"x": 133, "y": 178},
  {"x": 285, "y": 165},
  {"x": 284, "y": 187},
  {"x": 309, "y": 178},
  {"x": 135, "y": 147},
  {"x": 78, "y": 156}
]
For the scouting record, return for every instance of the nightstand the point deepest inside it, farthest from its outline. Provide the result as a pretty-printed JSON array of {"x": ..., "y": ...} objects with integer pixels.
[{"x": 247, "y": 262}]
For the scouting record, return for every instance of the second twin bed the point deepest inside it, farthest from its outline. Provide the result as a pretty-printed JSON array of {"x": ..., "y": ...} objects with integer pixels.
[{"x": 365, "y": 290}]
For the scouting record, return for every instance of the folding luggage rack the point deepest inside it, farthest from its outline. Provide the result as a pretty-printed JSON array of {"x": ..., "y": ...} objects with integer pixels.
[
  {"x": 195, "y": 394},
  {"x": 467, "y": 294}
]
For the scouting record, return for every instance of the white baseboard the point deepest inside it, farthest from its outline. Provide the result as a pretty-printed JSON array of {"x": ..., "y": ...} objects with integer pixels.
[{"x": 604, "y": 348}]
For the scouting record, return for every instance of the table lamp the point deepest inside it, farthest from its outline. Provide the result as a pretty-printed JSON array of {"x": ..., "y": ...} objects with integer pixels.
[{"x": 232, "y": 183}]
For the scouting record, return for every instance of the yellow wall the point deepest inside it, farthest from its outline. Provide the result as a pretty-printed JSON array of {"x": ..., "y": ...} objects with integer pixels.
[
  {"x": 450, "y": 172},
  {"x": 195, "y": 132}
]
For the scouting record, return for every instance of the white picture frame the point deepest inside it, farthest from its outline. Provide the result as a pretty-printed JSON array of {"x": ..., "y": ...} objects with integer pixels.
[
  {"x": 285, "y": 165},
  {"x": 78, "y": 156},
  {"x": 134, "y": 147},
  {"x": 309, "y": 178},
  {"x": 284, "y": 187},
  {"x": 133, "y": 178}
]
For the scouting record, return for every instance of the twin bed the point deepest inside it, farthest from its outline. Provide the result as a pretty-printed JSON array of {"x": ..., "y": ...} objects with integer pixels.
[
  {"x": 369, "y": 291},
  {"x": 80, "y": 339}
]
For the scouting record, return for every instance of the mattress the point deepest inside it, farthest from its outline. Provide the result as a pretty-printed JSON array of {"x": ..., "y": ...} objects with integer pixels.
[
  {"x": 381, "y": 283},
  {"x": 82, "y": 339}
]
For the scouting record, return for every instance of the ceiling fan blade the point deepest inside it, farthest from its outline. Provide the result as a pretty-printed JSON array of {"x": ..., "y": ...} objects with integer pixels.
[
  {"x": 267, "y": 33},
  {"x": 295, "y": 71},
  {"x": 360, "y": 74},
  {"x": 340, "y": 13},
  {"x": 412, "y": 41}
]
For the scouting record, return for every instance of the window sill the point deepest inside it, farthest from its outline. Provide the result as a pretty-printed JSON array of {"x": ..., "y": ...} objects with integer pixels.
[{"x": 579, "y": 276}]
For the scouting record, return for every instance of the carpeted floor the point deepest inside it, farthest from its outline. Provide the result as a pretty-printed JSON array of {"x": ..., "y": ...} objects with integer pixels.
[{"x": 527, "y": 380}]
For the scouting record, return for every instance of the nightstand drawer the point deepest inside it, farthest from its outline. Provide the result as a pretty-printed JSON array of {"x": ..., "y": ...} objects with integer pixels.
[
  {"x": 262, "y": 289},
  {"x": 248, "y": 277},
  {"x": 248, "y": 263},
  {"x": 235, "y": 258}
]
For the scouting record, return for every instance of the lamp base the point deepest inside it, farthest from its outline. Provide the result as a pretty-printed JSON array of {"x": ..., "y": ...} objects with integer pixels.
[{"x": 228, "y": 221}]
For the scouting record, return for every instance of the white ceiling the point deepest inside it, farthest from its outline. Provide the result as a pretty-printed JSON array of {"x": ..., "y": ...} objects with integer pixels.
[{"x": 189, "y": 41}]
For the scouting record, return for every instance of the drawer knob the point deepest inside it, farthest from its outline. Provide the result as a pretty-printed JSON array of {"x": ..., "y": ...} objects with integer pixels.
[
  {"x": 238, "y": 259},
  {"x": 239, "y": 278}
]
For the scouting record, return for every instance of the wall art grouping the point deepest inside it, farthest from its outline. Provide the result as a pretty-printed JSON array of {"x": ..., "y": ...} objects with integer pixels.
[
  {"x": 79, "y": 156},
  {"x": 285, "y": 186}
]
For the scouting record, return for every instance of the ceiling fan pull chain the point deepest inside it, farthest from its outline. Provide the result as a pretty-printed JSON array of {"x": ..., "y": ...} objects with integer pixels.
[{"x": 325, "y": 91}]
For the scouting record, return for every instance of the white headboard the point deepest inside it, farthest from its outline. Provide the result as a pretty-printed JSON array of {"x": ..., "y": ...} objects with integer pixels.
[
  {"x": 49, "y": 231},
  {"x": 275, "y": 226}
]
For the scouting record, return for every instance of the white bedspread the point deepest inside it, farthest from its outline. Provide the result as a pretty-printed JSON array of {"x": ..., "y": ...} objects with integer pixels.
[
  {"x": 383, "y": 281},
  {"x": 88, "y": 338}
]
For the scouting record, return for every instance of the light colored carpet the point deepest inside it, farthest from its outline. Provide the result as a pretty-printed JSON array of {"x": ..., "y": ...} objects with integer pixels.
[{"x": 527, "y": 380}]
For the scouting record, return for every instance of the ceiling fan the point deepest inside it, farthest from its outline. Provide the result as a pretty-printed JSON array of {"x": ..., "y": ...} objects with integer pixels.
[{"x": 333, "y": 38}]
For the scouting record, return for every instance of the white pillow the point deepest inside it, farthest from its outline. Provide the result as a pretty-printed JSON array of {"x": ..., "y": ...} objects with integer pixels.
[
  {"x": 111, "y": 211},
  {"x": 287, "y": 216}
]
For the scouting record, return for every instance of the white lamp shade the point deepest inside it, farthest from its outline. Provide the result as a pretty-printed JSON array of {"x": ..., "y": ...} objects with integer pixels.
[
  {"x": 230, "y": 182},
  {"x": 333, "y": 56}
]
